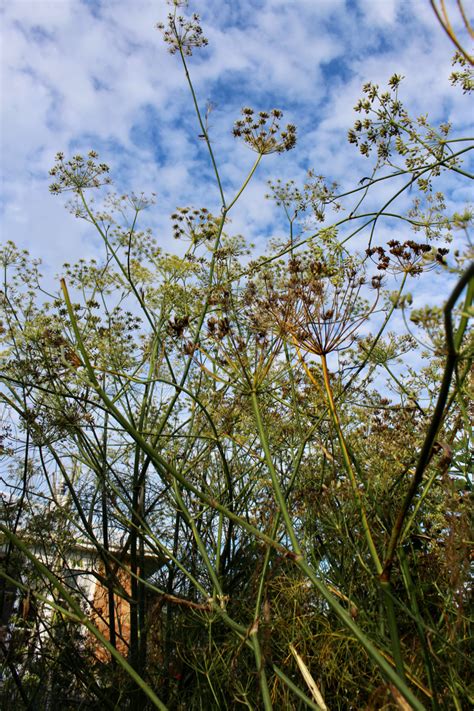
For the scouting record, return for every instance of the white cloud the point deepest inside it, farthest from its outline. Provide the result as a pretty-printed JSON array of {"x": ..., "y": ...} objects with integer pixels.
[{"x": 379, "y": 12}]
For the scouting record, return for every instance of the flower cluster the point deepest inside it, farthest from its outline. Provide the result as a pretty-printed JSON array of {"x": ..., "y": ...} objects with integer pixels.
[
  {"x": 387, "y": 115},
  {"x": 182, "y": 34},
  {"x": 286, "y": 194},
  {"x": 384, "y": 350},
  {"x": 248, "y": 353},
  {"x": 262, "y": 131},
  {"x": 463, "y": 76},
  {"x": 140, "y": 202},
  {"x": 78, "y": 173},
  {"x": 315, "y": 195},
  {"x": 239, "y": 339},
  {"x": 409, "y": 257},
  {"x": 387, "y": 127},
  {"x": 198, "y": 225},
  {"x": 430, "y": 217}
]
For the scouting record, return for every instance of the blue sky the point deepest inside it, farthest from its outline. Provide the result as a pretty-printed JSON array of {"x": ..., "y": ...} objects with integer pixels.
[{"x": 95, "y": 74}]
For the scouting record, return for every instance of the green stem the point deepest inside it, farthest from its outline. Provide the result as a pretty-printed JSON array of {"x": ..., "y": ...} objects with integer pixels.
[
  {"x": 274, "y": 476},
  {"x": 291, "y": 685},
  {"x": 387, "y": 318},
  {"x": 384, "y": 587},
  {"x": 386, "y": 669},
  {"x": 246, "y": 182},
  {"x": 348, "y": 466},
  {"x": 412, "y": 596},
  {"x": 202, "y": 125},
  {"x": 199, "y": 542},
  {"x": 262, "y": 677}
]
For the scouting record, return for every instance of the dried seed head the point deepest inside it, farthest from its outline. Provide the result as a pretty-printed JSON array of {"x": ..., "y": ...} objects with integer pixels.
[
  {"x": 182, "y": 34},
  {"x": 263, "y": 135},
  {"x": 78, "y": 173},
  {"x": 407, "y": 257},
  {"x": 319, "y": 307}
]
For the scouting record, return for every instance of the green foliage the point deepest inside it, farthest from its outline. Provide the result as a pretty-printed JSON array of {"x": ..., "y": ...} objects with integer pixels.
[{"x": 268, "y": 489}]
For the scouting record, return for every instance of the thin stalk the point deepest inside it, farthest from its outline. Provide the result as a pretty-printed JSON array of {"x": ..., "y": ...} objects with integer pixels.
[
  {"x": 198, "y": 540},
  {"x": 295, "y": 689},
  {"x": 384, "y": 587},
  {"x": 49, "y": 602},
  {"x": 218, "y": 545},
  {"x": 163, "y": 467},
  {"x": 348, "y": 465},
  {"x": 105, "y": 537},
  {"x": 262, "y": 677},
  {"x": 274, "y": 476},
  {"x": 388, "y": 601},
  {"x": 418, "y": 504},
  {"x": 412, "y": 596},
  {"x": 387, "y": 318},
  {"x": 405, "y": 390},
  {"x": 467, "y": 24},
  {"x": 169, "y": 607},
  {"x": 245, "y": 183},
  {"x": 15, "y": 676},
  {"x": 202, "y": 125},
  {"x": 445, "y": 24}
]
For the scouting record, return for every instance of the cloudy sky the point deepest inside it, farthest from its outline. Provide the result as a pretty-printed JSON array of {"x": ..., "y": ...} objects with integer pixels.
[{"x": 82, "y": 74}]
